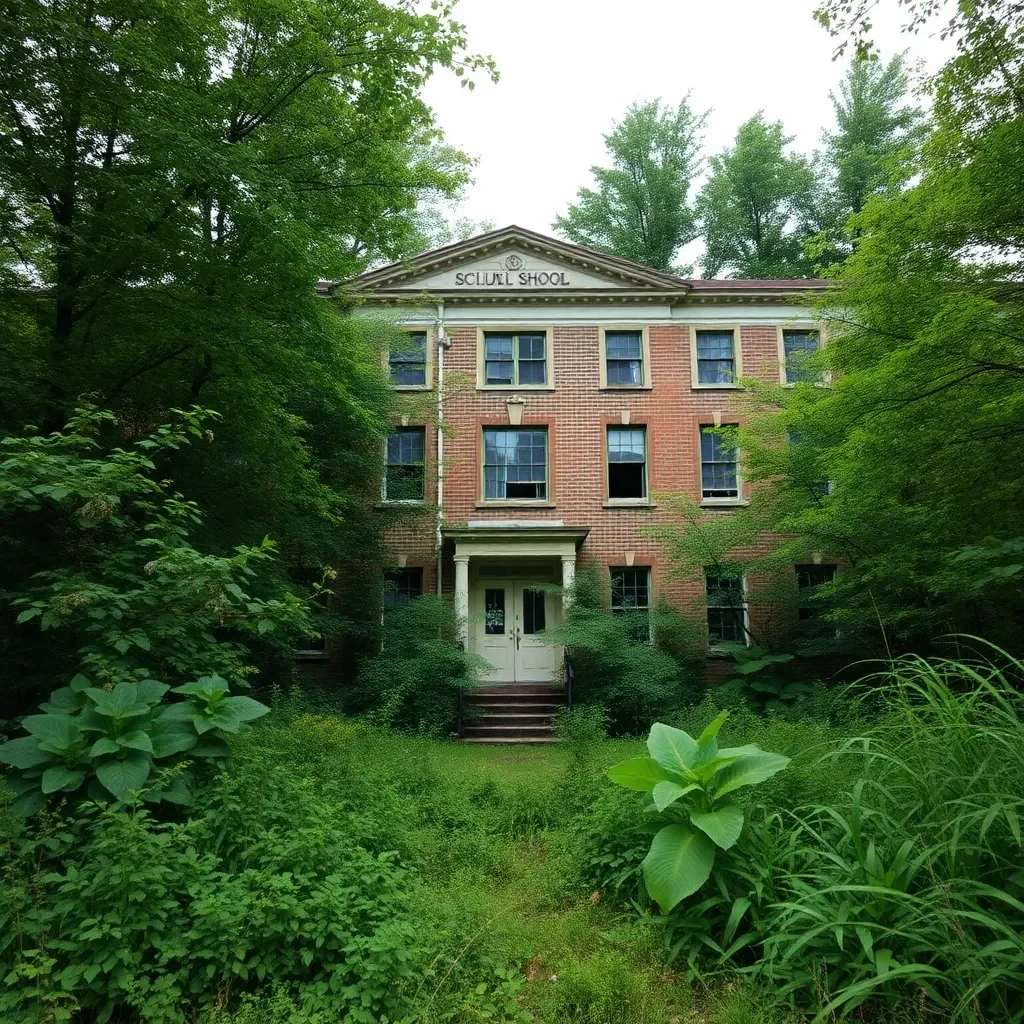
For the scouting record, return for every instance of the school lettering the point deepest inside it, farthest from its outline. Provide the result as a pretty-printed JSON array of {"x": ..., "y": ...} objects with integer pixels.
[{"x": 504, "y": 279}]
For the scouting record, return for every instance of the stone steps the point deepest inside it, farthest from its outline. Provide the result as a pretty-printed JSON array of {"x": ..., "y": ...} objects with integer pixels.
[{"x": 519, "y": 713}]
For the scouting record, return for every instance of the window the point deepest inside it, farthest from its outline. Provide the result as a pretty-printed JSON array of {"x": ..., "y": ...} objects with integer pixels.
[
  {"x": 408, "y": 365},
  {"x": 797, "y": 347},
  {"x": 624, "y": 352},
  {"x": 627, "y": 463},
  {"x": 716, "y": 357},
  {"x": 808, "y": 579},
  {"x": 817, "y": 488},
  {"x": 719, "y": 470},
  {"x": 515, "y": 464},
  {"x": 494, "y": 611},
  {"x": 404, "y": 475},
  {"x": 631, "y": 595},
  {"x": 402, "y": 587},
  {"x": 533, "y": 612},
  {"x": 515, "y": 359},
  {"x": 726, "y": 597}
]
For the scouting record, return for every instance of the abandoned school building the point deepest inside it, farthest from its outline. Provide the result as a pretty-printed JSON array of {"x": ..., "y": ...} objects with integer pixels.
[{"x": 575, "y": 387}]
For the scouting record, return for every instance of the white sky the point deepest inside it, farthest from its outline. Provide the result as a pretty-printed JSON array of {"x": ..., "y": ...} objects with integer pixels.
[{"x": 569, "y": 69}]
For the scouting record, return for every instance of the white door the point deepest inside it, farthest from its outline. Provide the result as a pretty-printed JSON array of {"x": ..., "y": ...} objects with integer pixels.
[
  {"x": 497, "y": 631},
  {"x": 535, "y": 661}
]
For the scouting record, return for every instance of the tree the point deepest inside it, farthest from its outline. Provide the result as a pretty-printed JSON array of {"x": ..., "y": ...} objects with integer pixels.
[
  {"x": 870, "y": 150},
  {"x": 176, "y": 177},
  {"x": 640, "y": 209},
  {"x": 926, "y": 345},
  {"x": 750, "y": 208}
]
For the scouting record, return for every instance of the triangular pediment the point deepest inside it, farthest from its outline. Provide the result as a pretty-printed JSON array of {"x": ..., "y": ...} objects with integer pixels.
[{"x": 517, "y": 262}]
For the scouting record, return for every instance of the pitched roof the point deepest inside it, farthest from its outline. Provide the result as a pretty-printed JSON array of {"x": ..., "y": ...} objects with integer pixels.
[{"x": 624, "y": 277}]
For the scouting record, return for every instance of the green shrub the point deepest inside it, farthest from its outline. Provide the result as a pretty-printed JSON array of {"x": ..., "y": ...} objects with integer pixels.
[
  {"x": 413, "y": 682},
  {"x": 106, "y": 742},
  {"x": 616, "y": 664}
]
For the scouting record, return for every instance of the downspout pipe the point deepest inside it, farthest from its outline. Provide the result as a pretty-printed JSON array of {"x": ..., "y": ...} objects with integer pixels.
[{"x": 443, "y": 343}]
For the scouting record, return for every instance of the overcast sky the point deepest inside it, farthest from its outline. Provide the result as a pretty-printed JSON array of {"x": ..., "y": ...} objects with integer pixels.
[{"x": 569, "y": 69}]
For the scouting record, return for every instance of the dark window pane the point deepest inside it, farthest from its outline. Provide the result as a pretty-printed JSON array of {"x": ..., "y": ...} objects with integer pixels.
[
  {"x": 494, "y": 610},
  {"x": 718, "y": 466},
  {"x": 627, "y": 457},
  {"x": 631, "y": 598},
  {"x": 498, "y": 364},
  {"x": 808, "y": 579},
  {"x": 798, "y": 346},
  {"x": 515, "y": 464},
  {"x": 532, "y": 366},
  {"x": 405, "y": 476},
  {"x": 533, "y": 611},
  {"x": 408, "y": 367},
  {"x": 624, "y": 353},
  {"x": 402, "y": 586},
  {"x": 716, "y": 363},
  {"x": 725, "y": 608}
]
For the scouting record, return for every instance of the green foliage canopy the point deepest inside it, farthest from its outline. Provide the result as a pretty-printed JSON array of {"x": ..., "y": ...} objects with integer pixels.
[{"x": 640, "y": 209}]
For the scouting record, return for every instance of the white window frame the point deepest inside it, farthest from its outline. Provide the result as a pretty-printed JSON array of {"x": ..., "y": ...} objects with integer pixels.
[
  {"x": 739, "y": 499},
  {"x": 737, "y": 356}
]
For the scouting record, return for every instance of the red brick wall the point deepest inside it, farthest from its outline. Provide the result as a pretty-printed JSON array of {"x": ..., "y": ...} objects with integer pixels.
[{"x": 576, "y": 413}]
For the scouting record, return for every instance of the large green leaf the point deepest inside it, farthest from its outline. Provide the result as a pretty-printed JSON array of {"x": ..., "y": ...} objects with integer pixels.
[
  {"x": 137, "y": 739},
  {"x": 150, "y": 691},
  {"x": 642, "y": 773},
  {"x": 723, "y": 825},
  {"x": 210, "y": 746},
  {"x": 207, "y": 687},
  {"x": 666, "y": 793},
  {"x": 63, "y": 701},
  {"x": 172, "y": 737},
  {"x": 231, "y": 713},
  {"x": 678, "y": 864},
  {"x": 120, "y": 777},
  {"x": 673, "y": 749},
  {"x": 748, "y": 771},
  {"x": 120, "y": 702},
  {"x": 58, "y": 732},
  {"x": 28, "y": 803},
  {"x": 59, "y": 777},
  {"x": 104, "y": 745},
  {"x": 24, "y": 752},
  {"x": 707, "y": 741}
]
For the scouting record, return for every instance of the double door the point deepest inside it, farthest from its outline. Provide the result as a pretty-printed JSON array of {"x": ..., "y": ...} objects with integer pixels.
[{"x": 514, "y": 613}]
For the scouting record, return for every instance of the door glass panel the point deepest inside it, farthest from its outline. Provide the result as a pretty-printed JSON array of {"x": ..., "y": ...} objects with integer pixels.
[
  {"x": 494, "y": 617},
  {"x": 533, "y": 611}
]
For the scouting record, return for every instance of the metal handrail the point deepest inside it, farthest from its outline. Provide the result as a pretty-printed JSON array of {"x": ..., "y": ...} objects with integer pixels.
[{"x": 570, "y": 677}]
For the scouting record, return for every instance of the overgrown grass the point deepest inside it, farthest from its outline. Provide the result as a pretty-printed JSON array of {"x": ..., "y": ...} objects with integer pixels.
[{"x": 340, "y": 872}]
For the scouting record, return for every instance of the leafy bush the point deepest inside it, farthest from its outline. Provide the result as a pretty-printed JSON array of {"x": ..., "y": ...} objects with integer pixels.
[
  {"x": 616, "y": 665},
  {"x": 294, "y": 892},
  {"x": 691, "y": 782},
  {"x": 118, "y": 588},
  {"x": 107, "y": 741},
  {"x": 413, "y": 682}
]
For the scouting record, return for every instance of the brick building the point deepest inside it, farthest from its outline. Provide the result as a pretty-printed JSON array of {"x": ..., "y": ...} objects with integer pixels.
[{"x": 574, "y": 388}]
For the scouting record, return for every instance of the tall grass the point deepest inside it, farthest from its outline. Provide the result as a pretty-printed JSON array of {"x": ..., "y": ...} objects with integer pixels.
[{"x": 910, "y": 892}]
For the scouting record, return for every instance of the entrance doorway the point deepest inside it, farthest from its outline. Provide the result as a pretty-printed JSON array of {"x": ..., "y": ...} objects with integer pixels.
[{"x": 514, "y": 612}]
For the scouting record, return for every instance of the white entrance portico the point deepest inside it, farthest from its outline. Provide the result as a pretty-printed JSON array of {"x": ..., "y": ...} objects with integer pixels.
[{"x": 506, "y": 572}]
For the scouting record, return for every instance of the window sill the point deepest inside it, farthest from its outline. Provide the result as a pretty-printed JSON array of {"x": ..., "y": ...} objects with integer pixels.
[
  {"x": 412, "y": 387},
  {"x": 626, "y": 387},
  {"x": 514, "y": 387},
  {"x": 628, "y": 503},
  {"x": 716, "y": 387},
  {"x": 514, "y": 504},
  {"x": 402, "y": 503},
  {"x": 311, "y": 656},
  {"x": 724, "y": 503}
]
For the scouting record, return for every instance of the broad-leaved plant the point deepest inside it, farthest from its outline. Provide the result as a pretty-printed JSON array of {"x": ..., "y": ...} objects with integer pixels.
[
  {"x": 106, "y": 741},
  {"x": 692, "y": 783}
]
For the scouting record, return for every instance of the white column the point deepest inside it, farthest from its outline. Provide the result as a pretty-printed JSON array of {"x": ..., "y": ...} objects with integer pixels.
[
  {"x": 462, "y": 597},
  {"x": 568, "y": 575}
]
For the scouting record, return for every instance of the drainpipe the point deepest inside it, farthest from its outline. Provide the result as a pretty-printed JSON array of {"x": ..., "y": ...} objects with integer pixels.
[{"x": 443, "y": 342}]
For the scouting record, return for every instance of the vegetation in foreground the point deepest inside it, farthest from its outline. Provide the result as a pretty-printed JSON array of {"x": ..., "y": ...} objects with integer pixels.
[{"x": 337, "y": 872}]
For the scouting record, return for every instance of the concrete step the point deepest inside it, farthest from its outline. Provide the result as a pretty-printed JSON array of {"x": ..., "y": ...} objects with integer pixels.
[
  {"x": 517, "y": 729},
  {"x": 511, "y": 717},
  {"x": 520, "y": 740}
]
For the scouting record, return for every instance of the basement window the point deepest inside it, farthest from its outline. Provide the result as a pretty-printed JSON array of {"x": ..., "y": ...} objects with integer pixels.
[
  {"x": 401, "y": 588},
  {"x": 627, "y": 463}
]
